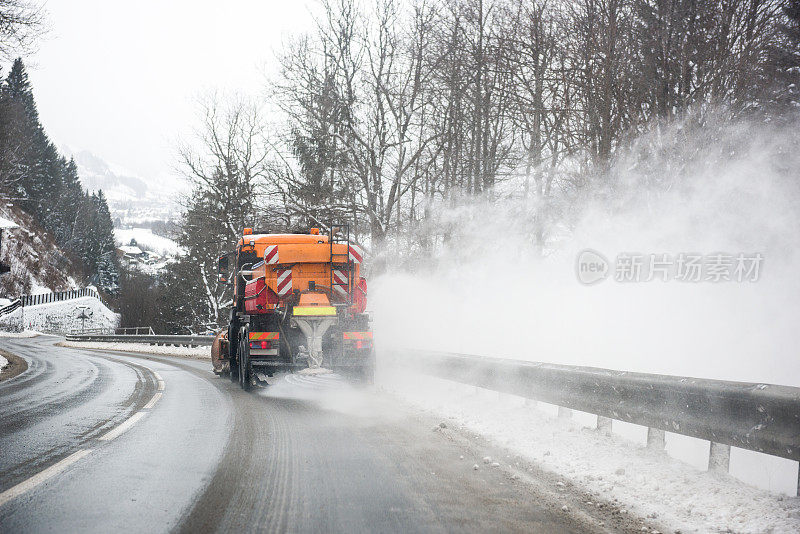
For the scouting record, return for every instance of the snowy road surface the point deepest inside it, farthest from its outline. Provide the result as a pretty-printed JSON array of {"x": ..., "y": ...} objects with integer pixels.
[{"x": 100, "y": 442}]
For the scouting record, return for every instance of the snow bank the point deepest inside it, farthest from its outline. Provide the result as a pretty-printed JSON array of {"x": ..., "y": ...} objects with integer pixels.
[
  {"x": 23, "y": 334},
  {"x": 12, "y": 322},
  {"x": 3, "y": 363},
  {"x": 650, "y": 484},
  {"x": 64, "y": 316},
  {"x": 202, "y": 353}
]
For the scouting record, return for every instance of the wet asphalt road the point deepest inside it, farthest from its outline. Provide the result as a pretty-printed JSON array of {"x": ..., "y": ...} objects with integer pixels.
[{"x": 307, "y": 455}]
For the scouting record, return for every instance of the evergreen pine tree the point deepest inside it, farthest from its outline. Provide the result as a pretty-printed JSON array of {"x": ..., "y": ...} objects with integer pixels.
[
  {"x": 18, "y": 87},
  {"x": 107, "y": 266},
  {"x": 69, "y": 197},
  {"x": 36, "y": 163}
]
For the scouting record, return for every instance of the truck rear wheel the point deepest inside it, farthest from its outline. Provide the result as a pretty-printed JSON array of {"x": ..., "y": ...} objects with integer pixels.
[
  {"x": 234, "y": 369},
  {"x": 234, "y": 372},
  {"x": 245, "y": 372}
]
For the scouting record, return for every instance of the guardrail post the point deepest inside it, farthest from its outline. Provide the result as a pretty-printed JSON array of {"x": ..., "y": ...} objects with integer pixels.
[
  {"x": 719, "y": 457},
  {"x": 604, "y": 425},
  {"x": 656, "y": 439},
  {"x": 564, "y": 413}
]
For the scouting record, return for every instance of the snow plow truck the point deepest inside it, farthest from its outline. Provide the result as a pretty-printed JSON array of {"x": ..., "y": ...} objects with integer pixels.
[{"x": 298, "y": 306}]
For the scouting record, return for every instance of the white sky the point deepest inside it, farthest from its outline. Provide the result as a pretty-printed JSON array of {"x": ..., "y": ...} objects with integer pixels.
[{"x": 120, "y": 79}]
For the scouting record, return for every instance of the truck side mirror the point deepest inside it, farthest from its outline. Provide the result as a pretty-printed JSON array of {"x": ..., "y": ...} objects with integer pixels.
[{"x": 223, "y": 269}]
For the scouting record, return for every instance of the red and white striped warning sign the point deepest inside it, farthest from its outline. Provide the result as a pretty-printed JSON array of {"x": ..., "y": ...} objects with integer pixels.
[
  {"x": 284, "y": 283},
  {"x": 271, "y": 254},
  {"x": 340, "y": 281},
  {"x": 356, "y": 254}
]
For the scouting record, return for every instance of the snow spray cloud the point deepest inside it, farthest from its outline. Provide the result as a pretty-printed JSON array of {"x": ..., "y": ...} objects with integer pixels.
[{"x": 685, "y": 189}]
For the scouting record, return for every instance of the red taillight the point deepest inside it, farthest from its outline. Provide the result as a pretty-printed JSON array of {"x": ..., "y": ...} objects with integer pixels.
[
  {"x": 358, "y": 340},
  {"x": 266, "y": 344}
]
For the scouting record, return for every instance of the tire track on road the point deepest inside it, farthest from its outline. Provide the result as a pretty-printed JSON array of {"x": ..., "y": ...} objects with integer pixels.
[
  {"x": 291, "y": 464},
  {"x": 75, "y": 409}
]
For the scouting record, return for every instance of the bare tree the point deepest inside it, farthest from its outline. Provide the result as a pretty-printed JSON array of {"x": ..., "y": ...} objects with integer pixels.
[
  {"x": 392, "y": 106},
  {"x": 357, "y": 89},
  {"x": 22, "y": 23},
  {"x": 227, "y": 159},
  {"x": 227, "y": 165},
  {"x": 701, "y": 54}
]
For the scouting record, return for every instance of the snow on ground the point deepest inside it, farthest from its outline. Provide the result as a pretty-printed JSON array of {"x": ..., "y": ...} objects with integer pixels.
[
  {"x": 33, "y": 257},
  {"x": 6, "y": 224},
  {"x": 188, "y": 352},
  {"x": 146, "y": 238},
  {"x": 23, "y": 334},
  {"x": 12, "y": 322},
  {"x": 3, "y": 363},
  {"x": 651, "y": 484},
  {"x": 64, "y": 316},
  {"x": 37, "y": 289}
]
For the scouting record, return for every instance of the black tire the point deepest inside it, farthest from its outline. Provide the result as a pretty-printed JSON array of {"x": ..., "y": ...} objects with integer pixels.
[
  {"x": 234, "y": 372},
  {"x": 244, "y": 363},
  {"x": 233, "y": 348},
  {"x": 239, "y": 367}
]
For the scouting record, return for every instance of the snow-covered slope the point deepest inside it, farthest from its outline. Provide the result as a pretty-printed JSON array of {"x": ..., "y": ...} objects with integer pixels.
[
  {"x": 36, "y": 262},
  {"x": 64, "y": 317},
  {"x": 12, "y": 321}
]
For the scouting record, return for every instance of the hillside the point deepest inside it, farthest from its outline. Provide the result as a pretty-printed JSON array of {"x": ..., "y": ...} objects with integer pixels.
[
  {"x": 96, "y": 174},
  {"x": 132, "y": 200},
  {"x": 63, "y": 317},
  {"x": 37, "y": 263},
  {"x": 46, "y": 185}
]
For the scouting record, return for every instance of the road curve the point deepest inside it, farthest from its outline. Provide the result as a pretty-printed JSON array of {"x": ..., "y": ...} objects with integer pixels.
[{"x": 198, "y": 454}]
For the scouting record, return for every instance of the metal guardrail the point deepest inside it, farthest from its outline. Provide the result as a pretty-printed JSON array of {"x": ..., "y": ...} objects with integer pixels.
[
  {"x": 754, "y": 416},
  {"x": 146, "y": 339},
  {"x": 5, "y": 310},
  {"x": 135, "y": 330},
  {"x": 122, "y": 330}
]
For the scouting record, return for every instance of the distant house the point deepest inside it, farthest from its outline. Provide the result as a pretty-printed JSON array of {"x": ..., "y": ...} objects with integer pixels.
[{"x": 132, "y": 254}]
